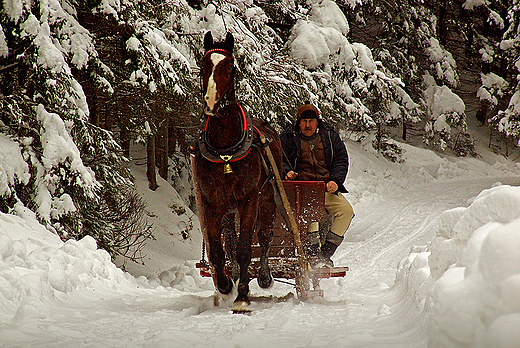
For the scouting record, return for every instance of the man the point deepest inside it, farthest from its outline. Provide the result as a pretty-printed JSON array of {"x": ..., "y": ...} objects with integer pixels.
[{"x": 313, "y": 151}]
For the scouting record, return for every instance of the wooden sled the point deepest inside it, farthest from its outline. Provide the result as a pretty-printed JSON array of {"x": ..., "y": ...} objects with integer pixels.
[{"x": 307, "y": 200}]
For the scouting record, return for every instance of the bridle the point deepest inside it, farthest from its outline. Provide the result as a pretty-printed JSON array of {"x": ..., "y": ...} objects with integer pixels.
[
  {"x": 224, "y": 101},
  {"x": 240, "y": 149}
]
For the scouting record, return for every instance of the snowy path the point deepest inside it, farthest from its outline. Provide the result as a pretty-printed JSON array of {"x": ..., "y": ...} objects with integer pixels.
[
  {"x": 385, "y": 232},
  {"x": 364, "y": 309}
]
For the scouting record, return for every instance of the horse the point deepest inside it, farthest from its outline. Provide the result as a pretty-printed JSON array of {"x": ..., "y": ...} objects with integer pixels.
[{"x": 233, "y": 195}]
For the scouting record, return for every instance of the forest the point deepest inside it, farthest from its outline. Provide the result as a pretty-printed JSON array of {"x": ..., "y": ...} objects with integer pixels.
[{"x": 81, "y": 81}]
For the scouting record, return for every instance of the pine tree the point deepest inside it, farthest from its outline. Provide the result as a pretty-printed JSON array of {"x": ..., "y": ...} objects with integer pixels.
[
  {"x": 76, "y": 168},
  {"x": 353, "y": 91},
  {"x": 508, "y": 121}
]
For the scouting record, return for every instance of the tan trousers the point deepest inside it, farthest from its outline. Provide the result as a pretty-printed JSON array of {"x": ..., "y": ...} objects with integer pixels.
[{"x": 341, "y": 210}]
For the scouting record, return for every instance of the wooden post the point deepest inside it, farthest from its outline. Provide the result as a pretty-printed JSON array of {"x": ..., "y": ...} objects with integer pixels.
[{"x": 302, "y": 280}]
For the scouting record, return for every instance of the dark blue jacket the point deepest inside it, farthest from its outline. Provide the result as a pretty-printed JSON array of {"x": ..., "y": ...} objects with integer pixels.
[{"x": 336, "y": 154}]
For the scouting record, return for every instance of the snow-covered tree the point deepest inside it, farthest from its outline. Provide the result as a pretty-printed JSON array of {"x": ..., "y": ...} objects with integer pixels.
[
  {"x": 82, "y": 80},
  {"x": 352, "y": 89},
  {"x": 474, "y": 32},
  {"x": 446, "y": 126},
  {"x": 75, "y": 170},
  {"x": 508, "y": 121},
  {"x": 409, "y": 38}
]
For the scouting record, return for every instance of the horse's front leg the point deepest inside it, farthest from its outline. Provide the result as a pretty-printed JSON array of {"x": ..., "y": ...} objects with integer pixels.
[
  {"x": 230, "y": 237},
  {"x": 248, "y": 214},
  {"x": 216, "y": 254}
]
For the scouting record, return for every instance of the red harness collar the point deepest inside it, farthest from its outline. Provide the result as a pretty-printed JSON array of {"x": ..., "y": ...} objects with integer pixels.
[{"x": 230, "y": 154}]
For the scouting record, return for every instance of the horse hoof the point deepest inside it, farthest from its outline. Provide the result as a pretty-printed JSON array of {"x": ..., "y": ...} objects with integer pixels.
[
  {"x": 265, "y": 282},
  {"x": 227, "y": 288},
  {"x": 241, "y": 307}
]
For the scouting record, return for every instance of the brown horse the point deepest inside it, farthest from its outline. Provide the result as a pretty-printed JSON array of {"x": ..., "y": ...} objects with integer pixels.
[{"x": 234, "y": 197}]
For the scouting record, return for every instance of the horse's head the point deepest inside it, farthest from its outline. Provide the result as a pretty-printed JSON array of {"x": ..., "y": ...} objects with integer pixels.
[{"x": 218, "y": 70}]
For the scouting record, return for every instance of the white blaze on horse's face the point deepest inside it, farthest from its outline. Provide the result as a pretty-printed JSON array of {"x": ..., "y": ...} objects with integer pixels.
[{"x": 211, "y": 96}]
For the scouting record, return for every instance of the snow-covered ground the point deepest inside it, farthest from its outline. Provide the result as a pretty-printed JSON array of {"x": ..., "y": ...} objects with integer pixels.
[{"x": 434, "y": 257}]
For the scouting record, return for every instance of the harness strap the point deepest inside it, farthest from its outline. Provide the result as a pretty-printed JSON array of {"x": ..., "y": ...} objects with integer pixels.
[
  {"x": 219, "y": 50},
  {"x": 257, "y": 141},
  {"x": 279, "y": 191},
  {"x": 230, "y": 154}
]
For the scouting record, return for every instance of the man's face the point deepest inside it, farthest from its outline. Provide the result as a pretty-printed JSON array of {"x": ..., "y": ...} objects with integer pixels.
[{"x": 308, "y": 126}]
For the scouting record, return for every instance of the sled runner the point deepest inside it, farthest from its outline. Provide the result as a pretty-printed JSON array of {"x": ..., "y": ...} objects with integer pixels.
[{"x": 307, "y": 200}]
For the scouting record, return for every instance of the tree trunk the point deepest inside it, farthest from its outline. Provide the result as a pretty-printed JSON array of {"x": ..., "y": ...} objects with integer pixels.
[
  {"x": 404, "y": 129},
  {"x": 125, "y": 141},
  {"x": 443, "y": 25},
  {"x": 162, "y": 149},
  {"x": 150, "y": 163}
]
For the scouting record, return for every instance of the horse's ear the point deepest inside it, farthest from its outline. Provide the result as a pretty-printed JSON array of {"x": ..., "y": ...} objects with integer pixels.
[
  {"x": 229, "y": 43},
  {"x": 208, "y": 41}
]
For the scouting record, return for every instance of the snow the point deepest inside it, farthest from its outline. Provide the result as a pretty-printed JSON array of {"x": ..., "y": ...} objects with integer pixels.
[
  {"x": 445, "y": 101},
  {"x": 433, "y": 253},
  {"x": 111, "y": 7},
  {"x": 364, "y": 56},
  {"x": 442, "y": 103},
  {"x": 482, "y": 279},
  {"x": 444, "y": 62},
  {"x": 4, "y": 50},
  {"x": 491, "y": 82},
  {"x": 434, "y": 249},
  {"x": 58, "y": 148},
  {"x": 14, "y": 8},
  {"x": 327, "y": 14},
  {"x": 314, "y": 41},
  {"x": 13, "y": 168},
  {"x": 171, "y": 219},
  {"x": 507, "y": 124},
  {"x": 471, "y": 4}
]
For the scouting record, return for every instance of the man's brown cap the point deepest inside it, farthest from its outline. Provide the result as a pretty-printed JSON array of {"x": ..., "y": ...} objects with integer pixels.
[{"x": 307, "y": 110}]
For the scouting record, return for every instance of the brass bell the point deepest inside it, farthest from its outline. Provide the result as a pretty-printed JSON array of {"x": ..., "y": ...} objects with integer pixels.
[{"x": 227, "y": 166}]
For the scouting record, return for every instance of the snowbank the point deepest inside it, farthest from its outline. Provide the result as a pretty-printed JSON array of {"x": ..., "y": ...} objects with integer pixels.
[
  {"x": 37, "y": 267},
  {"x": 467, "y": 280},
  {"x": 369, "y": 177},
  {"x": 469, "y": 276},
  {"x": 176, "y": 228}
]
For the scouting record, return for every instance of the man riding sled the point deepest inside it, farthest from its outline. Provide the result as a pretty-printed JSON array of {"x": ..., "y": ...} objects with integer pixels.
[{"x": 314, "y": 151}]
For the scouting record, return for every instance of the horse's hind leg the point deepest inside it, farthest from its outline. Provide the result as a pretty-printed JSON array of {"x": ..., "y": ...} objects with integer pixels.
[{"x": 265, "y": 235}]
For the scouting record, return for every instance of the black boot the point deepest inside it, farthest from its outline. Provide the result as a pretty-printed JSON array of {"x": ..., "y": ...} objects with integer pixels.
[
  {"x": 314, "y": 256},
  {"x": 332, "y": 241},
  {"x": 327, "y": 250},
  {"x": 313, "y": 250}
]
